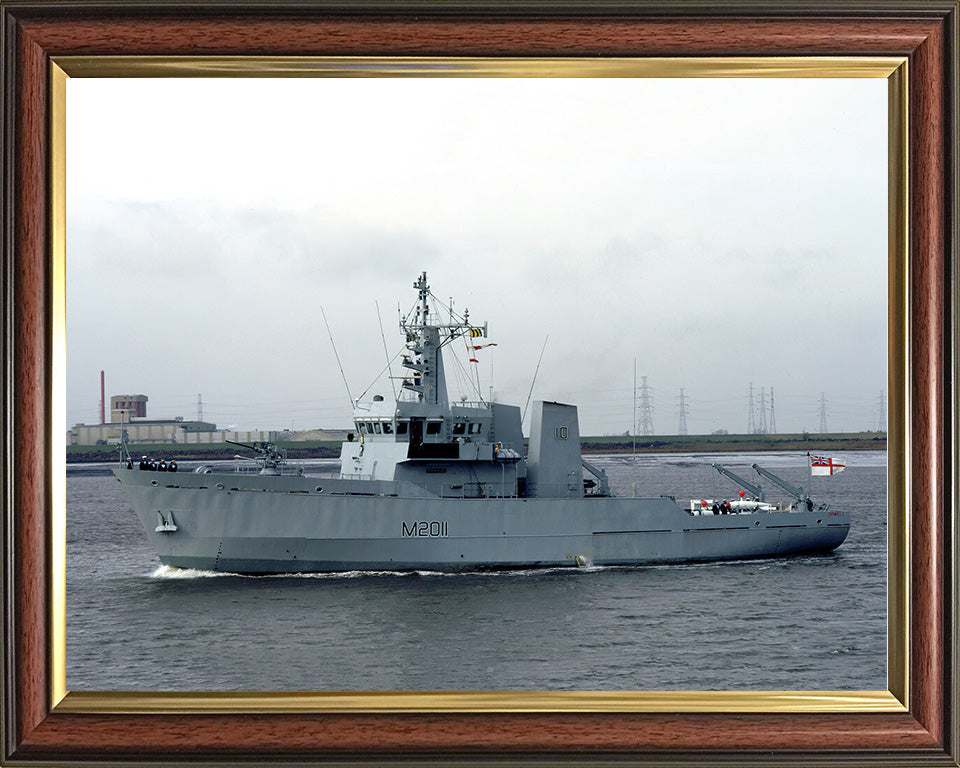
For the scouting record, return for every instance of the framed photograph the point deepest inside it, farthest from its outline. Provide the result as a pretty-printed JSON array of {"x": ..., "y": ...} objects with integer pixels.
[
  {"x": 532, "y": 202},
  {"x": 908, "y": 53}
]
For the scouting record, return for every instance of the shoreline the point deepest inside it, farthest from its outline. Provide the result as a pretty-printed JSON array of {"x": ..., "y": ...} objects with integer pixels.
[{"x": 814, "y": 443}]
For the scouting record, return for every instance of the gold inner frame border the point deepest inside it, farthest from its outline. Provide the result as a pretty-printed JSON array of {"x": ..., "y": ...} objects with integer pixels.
[{"x": 893, "y": 69}]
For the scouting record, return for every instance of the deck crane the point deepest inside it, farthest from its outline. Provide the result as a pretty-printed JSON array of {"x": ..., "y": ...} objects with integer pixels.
[
  {"x": 793, "y": 490},
  {"x": 755, "y": 490}
]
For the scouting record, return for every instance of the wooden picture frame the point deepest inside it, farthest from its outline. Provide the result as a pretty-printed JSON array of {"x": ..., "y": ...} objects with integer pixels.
[{"x": 916, "y": 722}]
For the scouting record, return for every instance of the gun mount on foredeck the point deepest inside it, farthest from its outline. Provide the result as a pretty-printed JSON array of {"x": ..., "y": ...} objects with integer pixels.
[{"x": 268, "y": 456}]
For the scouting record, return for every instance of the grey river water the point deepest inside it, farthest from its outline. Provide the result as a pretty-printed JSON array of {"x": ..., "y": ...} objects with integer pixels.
[{"x": 798, "y": 623}]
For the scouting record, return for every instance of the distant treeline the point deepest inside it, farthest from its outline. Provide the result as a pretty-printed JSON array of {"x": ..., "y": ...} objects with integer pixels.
[{"x": 815, "y": 443}]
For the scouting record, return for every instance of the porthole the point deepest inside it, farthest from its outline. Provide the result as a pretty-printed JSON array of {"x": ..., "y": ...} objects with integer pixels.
[
  {"x": 153, "y": 482},
  {"x": 819, "y": 521},
  {"x": 219, "y": 486},
  {"x": 757, "y": 523},
  {"x": 319, "y": 489}
]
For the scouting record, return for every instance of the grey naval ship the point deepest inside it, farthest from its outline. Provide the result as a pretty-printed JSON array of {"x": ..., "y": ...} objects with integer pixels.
[{"x": 430, "y": 484}]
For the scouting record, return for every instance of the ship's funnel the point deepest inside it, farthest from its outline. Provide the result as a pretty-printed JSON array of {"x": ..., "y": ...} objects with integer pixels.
[{"x": 554, "y": 469}]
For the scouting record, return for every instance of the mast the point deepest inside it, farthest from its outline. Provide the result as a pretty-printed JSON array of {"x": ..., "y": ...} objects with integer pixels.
[{"x": 425, "y": 338}]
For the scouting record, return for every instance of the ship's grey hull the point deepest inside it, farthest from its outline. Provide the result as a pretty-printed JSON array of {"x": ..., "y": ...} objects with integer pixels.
[{"x": 259, "y": 524}]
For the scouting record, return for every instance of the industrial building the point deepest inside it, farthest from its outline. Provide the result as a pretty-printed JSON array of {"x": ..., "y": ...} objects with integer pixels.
[{"x": 128, "y": 417}]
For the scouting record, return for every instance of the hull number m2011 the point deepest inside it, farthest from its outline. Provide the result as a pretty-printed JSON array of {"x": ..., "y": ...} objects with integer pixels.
[{"x": 424, "y": 528}]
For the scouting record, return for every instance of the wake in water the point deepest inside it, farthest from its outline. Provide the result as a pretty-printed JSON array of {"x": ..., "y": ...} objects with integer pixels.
[
  {"x": 170, "y": 572},
  {"x": 173, "y": 573}
]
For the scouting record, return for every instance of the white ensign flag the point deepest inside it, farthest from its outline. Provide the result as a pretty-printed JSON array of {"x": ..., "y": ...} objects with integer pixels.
[{"x": 821, "y": 465}]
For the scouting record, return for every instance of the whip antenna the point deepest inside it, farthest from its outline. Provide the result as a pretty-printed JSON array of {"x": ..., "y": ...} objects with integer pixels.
[
  {"x": 386, "y": 354},
  {"x": 342, "y": 374},
  {"x": 530, "y": 393}
]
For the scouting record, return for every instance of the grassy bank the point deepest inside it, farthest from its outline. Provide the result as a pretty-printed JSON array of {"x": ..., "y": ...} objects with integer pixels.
[
  {"x": 815, "y": 443},
  {"x": 211, "y": 451}
]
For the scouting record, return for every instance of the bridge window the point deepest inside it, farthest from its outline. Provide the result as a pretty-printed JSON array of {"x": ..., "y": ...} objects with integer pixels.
[
  {"x": 387, "y": 428},
  {"x": 402, "y": 427},
  {"x": 474, "y": 428},
  {"x": 376, "y": 427},
  {"x": 361, "y": 428},
  {"x": 433, "y": 427},
  {"x": 459, "y": 428}
]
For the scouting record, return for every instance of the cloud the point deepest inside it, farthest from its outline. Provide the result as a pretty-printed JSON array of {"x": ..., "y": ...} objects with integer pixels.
[{"x": 708, "y": 229}]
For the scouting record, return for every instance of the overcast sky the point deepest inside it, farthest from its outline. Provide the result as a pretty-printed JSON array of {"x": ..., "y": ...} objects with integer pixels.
[{"x": 718, "y": 232}]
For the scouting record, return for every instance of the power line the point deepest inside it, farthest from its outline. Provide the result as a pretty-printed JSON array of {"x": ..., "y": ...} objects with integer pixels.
[
  {"x": 682, "y": 427},
  {"x": 634, "y": 409},
  {"x": 646, "y": 407},
  {"x": 773, "y": 418},
  {"x": 823, "y": 413},
  {"x": 762, "y": 425}
]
